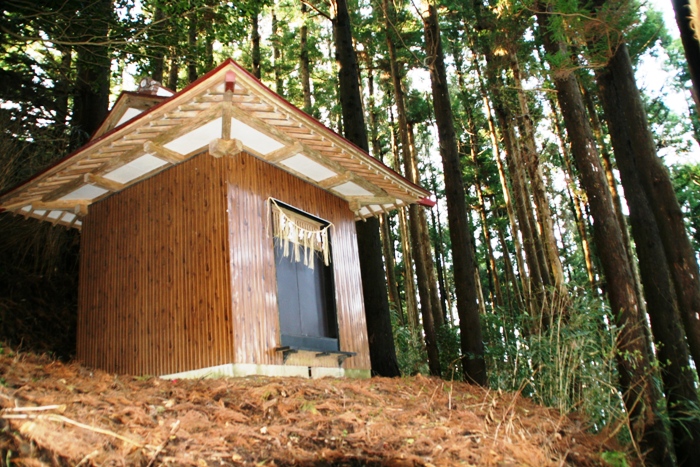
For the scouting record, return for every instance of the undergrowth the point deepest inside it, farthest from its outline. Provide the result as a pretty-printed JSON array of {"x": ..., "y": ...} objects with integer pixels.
[
  {"x": 568, "y": 364},
  {"x": 38, "y": 261}
]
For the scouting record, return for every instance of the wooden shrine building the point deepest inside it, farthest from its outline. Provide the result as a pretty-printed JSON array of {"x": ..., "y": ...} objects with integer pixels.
[{"x": 217, "y": 233}]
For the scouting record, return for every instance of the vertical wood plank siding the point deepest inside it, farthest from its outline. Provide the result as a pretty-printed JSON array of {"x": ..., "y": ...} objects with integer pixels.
[
  {"x": 253, "y": 280},
  {"x": 154, "y": 285},
  {"x": 177, "y": 272}
]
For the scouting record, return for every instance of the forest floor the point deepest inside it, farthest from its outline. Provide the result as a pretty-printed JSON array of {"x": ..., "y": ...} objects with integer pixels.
[{"x": 52, "y": 413}]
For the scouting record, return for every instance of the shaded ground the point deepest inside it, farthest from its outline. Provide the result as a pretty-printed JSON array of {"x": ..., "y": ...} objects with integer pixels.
[{"x": 102, "y": 419}]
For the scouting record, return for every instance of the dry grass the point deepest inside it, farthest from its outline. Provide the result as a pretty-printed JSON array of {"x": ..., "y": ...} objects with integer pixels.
[{"x": 97, "y": 418}]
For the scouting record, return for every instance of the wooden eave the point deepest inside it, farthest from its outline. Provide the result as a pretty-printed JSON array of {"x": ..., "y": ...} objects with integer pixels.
[
  {"x": 192, "y": 121},
  {"x": 127, "y": 100}
]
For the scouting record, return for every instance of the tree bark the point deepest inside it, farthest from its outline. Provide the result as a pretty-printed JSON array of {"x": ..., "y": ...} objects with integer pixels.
[
  {"x": 158, "y": 59},
  {"x": 532, "y": 165},
  {"x": 255, "y": 44},
  {"x": 538, "y": 278},
  {"x": 445, "y": 301},
  {"x": 616, "y": 78},
  {"x": 173, "y": 72},
  {"x": 420, "y": 250},
  {"x": 467, "y": 105},
  {"x": 63, "y": 85},
  {"x": 192, "y": 47},
  {"x": 409, "y": 286},
  {"x": 381, "y": 340},
  {"x": 277, "y": 56},
  {"x": 574, "y": 198},
  {"x": 386, "y": 235},
  {"x": 635, "y": 153},
  {"x": 91, "y": 94},
  {"x": 305, "y": 66},
  {"x": 493, "y": 272},
  {"x": 464, "y": 266},
  {"x": 639, "y": 394},
  {"x": 691, "y": 46},
  {"x": 523, "y": 292},
  {"x": 424, "y": 241},
  {"x": 388, "y": 250},
  {"x": 612, "y": 184}
]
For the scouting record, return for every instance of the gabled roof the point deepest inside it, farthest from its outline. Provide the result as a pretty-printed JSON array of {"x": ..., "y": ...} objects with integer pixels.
[{"x": 225, "y": 109}]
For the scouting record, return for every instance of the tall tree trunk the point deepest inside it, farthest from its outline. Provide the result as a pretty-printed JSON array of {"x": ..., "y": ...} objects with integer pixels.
[
  {"x": 424, "y": 241},
  {"x": 524, "y": 278},
  {"x": 617, "y": 78},
  {"x": 209, "y": 50},
  {"x": 472, "y": 345},
  {"x": 534, "y": 170},
  {"x": 612, "y": 184},
  {"x": 409, "y": 286},
  {"x": 510, "y": 273},
  {"x": 91, "y": 94},
  {"x": 445, "y": 301},
  {"x": 63, "y": 85},
  {"x": 635, "y": 153},
  {"x": 174, "y": 70},
  {"x": 467, "y": 105},
  {"x": 387, "y": 240},
  {"x": 277, "y": 56},
  {"x": 534, "y": 255},
  {"x": 388, "y": 250},
  {"x": 574, "y": 197},
  {"x": 521, "y": 200},
  {"x": 498, "y": 298},
  {"x": 419, "y": 248},
  {"x": 192, "y": 47},
  {"x": 158, "y": 59},
  {"x": 305, "y": 67},
  {"x": 381, "y": 340},
  {"x": 690, "y": 46},
  {"x": 255, "y": 44},
  {"x": 639, "y": 394}
]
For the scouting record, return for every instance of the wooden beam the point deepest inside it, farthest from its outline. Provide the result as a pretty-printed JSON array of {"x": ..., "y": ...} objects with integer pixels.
[
  {"x": 367, "y": 200},
  {"x": 71, "y": 224},
  {"x": 19, "y": 203},
  {"x": 283, "y": 153},
  {"x": 163, "y": 152},
  {"x": 226, "y": 113},
  {"x": 204, "y": 117},
  {"x": 81, "y": 210},
  {"x": 58, "y": 205},
  {"x": 225, "y": 147},
  {"x": 76, "y": 206},
  {"x": 337, "y": 180},
  {"x": 308, "y": 122},
  {"x": 105, "y": 183},
  {"x": 261, "y": 125},
  {"x": 64, "y": 189}
]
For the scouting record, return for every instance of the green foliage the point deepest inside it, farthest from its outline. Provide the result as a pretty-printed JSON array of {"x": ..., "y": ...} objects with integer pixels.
[
  {"x": 569, "y": 364},
  {"x": 615, "y": 458},
  {"x": 410, "y": 351},
  {"x": 686, "y": 182},
  {"x": 676, "y": 65},
  {"x": 669, "y": 128},
  {"x": 450, "y": 353}
]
